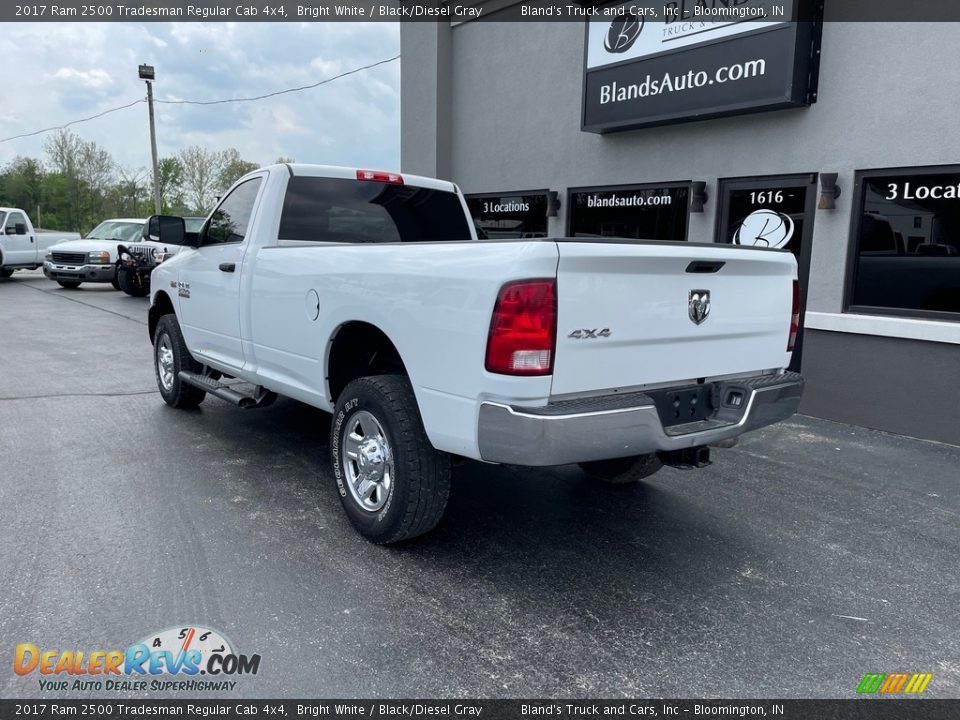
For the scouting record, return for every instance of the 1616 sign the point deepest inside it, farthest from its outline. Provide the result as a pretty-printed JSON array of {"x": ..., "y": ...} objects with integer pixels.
[{"x": 654, "y": 63}]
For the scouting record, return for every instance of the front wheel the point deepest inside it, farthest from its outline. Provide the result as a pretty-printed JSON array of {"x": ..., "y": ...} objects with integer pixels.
[
  {"x": 68, "y": 284},
  {"x": 622, "y": 471},
  {"x": 170, "y": 356},
  {"x": 393, "y": 484},
  {"x": 130, "y": 282},
  {"x": 6, "y": 272}
]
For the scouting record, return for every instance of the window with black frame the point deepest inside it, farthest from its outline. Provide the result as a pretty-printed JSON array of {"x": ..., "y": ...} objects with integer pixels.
[
  {"x": 906, "y": 248},
  {"x": 509, "y": 215},
  {"x": 641, "y": 212},
  {"x": 342, "y": 210}
]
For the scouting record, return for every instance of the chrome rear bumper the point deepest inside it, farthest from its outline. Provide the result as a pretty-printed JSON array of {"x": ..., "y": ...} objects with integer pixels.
[{"x": 615, "y": 426}]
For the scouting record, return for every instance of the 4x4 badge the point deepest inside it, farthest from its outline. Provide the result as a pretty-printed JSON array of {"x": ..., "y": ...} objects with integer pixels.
[
  {"x": 698, "y": 305},
  {"x": 588, "y": 334}
]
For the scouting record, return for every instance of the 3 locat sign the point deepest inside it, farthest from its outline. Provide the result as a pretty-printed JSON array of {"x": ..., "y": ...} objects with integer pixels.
[
  {"x": 509, "y": 215},
  {"x": 655, "y": 63}
]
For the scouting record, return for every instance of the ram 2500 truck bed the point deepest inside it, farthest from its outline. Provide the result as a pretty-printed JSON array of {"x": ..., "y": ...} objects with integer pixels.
[{"x": 368, "y": 295}]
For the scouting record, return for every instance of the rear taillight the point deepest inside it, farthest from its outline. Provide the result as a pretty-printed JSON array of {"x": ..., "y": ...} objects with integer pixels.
[
  {"x": 794, "y": 317},
  {"x": 380, "y": 176},
  {"x": 523, "y": 329}
]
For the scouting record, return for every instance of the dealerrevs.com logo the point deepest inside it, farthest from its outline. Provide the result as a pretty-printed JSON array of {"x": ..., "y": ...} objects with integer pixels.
[{"x": 167, "y": 660}]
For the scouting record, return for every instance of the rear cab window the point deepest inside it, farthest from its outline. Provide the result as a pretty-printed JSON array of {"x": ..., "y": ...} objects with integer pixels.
[
  {"x": 340, "y": 210},
  {"x": 15, "y": 218}
]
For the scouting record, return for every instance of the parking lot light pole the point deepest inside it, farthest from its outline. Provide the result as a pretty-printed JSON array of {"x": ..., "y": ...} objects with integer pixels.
[{"x": 148, "y": 75}]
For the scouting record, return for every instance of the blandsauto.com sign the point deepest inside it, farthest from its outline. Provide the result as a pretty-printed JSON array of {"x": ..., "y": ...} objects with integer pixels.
[{"x": 655, "y": 62}]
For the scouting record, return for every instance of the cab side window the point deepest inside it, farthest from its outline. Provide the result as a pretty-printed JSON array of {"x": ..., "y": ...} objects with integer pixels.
[{"x": 229, "y": 221}]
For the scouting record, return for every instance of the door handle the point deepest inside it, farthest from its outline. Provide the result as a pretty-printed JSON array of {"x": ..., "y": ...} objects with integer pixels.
[{"x": 228, "y": 267}]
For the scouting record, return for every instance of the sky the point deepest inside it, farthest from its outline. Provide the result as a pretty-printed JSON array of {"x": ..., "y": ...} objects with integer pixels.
[{"x": 68, "y": 71}]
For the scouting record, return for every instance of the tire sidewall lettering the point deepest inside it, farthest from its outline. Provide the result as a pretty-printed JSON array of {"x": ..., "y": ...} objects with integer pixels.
[{"x": 338, "y": 472}]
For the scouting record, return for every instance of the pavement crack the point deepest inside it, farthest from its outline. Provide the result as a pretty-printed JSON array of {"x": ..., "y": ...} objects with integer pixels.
[
  {"x": 71, "y": 395},
  {"x": 61, "y": 296}
]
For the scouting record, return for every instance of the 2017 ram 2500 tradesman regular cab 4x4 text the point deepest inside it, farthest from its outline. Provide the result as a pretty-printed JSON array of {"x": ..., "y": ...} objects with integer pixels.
[{"x": 368, "y": 295}]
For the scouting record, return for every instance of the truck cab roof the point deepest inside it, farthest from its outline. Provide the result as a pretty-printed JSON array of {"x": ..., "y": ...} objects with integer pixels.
[{"x": 350, "y": 173}]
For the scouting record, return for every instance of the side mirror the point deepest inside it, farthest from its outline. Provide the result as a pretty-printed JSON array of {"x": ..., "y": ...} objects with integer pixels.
[
  {"x": 21, "y": 228},
  {"x": 167, "y": 229}
]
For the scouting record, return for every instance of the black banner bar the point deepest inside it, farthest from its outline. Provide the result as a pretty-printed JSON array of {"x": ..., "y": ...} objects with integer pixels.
[
  {"x": 455, "y": 11},
  {"x": 874, "y": 708}
]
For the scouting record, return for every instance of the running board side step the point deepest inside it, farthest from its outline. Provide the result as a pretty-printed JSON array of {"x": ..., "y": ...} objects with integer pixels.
[{"x": 262, "y": 398}]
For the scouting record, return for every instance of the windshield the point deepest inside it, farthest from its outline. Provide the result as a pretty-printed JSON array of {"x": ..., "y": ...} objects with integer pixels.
[
  {"x": 114, "y": 230},
  {"x": 193, "y": 224}
]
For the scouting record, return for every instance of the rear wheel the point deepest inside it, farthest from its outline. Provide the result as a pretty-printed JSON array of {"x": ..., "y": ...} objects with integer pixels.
[
  {"x": 68, "y": 284},
  {"x": 115, "y": 282},
  {"x": 6, "y": 272},
  {"x": 170, "y": 356},
  {"x": 622, "y": 471},
  {"x": 393, "y": 484}
]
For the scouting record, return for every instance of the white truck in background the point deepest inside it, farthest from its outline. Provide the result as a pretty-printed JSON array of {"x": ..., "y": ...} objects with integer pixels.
[
  {"x": 21, "y": 246},
  {"x": 93, "y": 258},
  {"x": 368, "y": 294}
]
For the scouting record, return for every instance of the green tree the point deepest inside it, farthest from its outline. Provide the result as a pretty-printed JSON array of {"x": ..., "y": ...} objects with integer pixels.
[
  {"x": 170, "y": 177},
  {"x": 200, "y": 170},
  {"x": 22, "y": 186},
  {"x": 232, "y": 167},
  {"x": 89, "y": 172}
]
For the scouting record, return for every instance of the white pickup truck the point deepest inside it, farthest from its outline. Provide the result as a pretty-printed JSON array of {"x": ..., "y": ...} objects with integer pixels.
[
  {"x": 367, "y": 294},
  {"x": 22, "y": 247},
  {"x": 94, "y": 258}
]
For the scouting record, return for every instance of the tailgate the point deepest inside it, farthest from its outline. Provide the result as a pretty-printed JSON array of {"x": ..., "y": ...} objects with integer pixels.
[{"x": 624, "y": 316}]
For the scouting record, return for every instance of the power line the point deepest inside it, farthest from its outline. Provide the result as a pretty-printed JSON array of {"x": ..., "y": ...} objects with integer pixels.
[
  {"x": 279, "y": 92},
  {"x": 73, "y": 122},
  {"x": 206, "y": 102}
]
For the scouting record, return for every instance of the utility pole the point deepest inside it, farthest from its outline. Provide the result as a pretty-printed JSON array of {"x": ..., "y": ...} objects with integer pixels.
[{"x": 148, "y": 75}]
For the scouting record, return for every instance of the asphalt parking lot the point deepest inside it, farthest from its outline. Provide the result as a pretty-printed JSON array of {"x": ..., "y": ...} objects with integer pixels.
[{"x": 810, "y": 554}]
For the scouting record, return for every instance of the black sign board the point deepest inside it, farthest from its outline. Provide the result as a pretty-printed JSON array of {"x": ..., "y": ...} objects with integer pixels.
[
  {"x": 643, "y": 70},
  {"x": 642, "y": 212},
  {"x": 509, "y": 215},
  {"x": 905, "y": 254}
]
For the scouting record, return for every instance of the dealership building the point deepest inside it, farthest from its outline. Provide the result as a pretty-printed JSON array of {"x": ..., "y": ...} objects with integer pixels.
[{"x": 838, "y": 141}]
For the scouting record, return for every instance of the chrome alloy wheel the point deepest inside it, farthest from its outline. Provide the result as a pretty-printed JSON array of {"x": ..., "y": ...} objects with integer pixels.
[
  {"x": 367, "y": 461},
  {"x": 165, "y": 365}
]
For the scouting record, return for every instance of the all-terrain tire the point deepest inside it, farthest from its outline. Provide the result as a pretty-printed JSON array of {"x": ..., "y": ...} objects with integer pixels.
[
  {"x": 127, "y": 283},
  {"x": 68, "y": 284},
  {"x": 420, "y": 475},
  {"x": 622, "y": 471},
  {"x": 170, "y": 356}
]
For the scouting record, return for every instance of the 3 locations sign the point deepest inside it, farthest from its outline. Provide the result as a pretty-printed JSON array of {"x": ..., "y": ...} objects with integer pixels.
[
  {"x": 513, "y": 215},
  {"x": 652, "y": 62}
]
